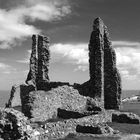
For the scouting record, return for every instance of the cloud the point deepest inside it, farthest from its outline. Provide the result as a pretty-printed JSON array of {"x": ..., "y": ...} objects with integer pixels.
[
  {"x": 66, "y": 53},
  {"x": 13, "y": 21},
  {"x": 128, "y": 57},
  {"x": 81, "y": 68},
  {"x": 6, "y": 69},
  {"x": 75, "y": 53},
  {"x": 128, "y": 61},
  {"x": 3, "y": 66},
  {"x": 125, "y": 44},
  {"x": 46, "y": 10},
  {"x": 26, "y": 59}
]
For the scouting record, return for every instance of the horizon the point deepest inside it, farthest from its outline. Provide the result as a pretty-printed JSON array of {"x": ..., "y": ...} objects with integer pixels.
[{"x": 69, "y": 25}]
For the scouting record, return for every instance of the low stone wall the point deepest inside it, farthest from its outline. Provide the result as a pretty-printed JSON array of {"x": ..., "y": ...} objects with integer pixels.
[
  {"x": 62, "y": 128},
  {"x": 14, "y": 126},
  {"x": 41, "y": 105}
]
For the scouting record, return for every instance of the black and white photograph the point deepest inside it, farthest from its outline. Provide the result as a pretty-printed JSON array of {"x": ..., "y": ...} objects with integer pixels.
[{"x": 69, "y": 70}]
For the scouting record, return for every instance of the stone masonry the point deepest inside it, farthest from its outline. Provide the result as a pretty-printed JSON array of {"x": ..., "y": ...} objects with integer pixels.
[
  {"x": 104, "y": 85},
  {"x": 96, "y": 59},
  {"x": 105, "y": 82},
  {"x": 39, "y": 61},
  {"x": 104, "y": 76},
  {"x": 112, "y": 84}
]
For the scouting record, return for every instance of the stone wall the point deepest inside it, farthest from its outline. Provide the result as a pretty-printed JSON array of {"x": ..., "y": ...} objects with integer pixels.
[
  {"x": 15, "y": 126},
  {"x": 104, "y": 85},
  {"x": 105, "y": 80},
  {"x": 112, "y": 79},
  {"x": 96, "y": 60},
  {"x": 39, "y": 61},
  {"x": 14, "y": 100},
  {"x": 62, "y": 101}
]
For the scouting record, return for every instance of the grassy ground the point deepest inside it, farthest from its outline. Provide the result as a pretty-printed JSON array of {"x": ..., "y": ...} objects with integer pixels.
[
  {"x": 126, "y": 128},
  {"x": 99, "y": 137},
  {"x": 89, "y": 137},
  {"x": 131, "y": 107}
]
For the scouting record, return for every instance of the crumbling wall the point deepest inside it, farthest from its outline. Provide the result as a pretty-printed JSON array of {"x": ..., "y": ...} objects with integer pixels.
[
  {"x": 96, "y": 61},
  {"x": 104, "y": 85},
  {"x": 105, "y": 80},
  {"x": 112, "y": 79},
  {"x": 14, "y": 100},
  {"x": 59, "y": 102},
  {"x": 14, "y": 126},
  {"x": 39, "y": 61}
]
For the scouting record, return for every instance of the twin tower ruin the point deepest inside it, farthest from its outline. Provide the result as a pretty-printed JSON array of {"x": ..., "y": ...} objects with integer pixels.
[{"x": 105, "y": 81}]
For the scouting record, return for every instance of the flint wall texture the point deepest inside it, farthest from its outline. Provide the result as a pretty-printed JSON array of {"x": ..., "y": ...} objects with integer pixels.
[
  {"x": 39, "y": 61},
  {"x": 96, "y": 59},
  {"x": 112, "y": 83},
  {"x": 105, "y": 80}
]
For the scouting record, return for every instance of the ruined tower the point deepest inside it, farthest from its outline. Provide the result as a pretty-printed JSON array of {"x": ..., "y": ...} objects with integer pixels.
[
  {"x": 96, "y": 60},
  {"x": 105, "y": 81},
  {"x": 39, "y": 61},
  {"x": 112, "y": 79}
]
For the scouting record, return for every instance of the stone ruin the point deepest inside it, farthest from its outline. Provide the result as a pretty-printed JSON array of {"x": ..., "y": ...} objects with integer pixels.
[
  {"x": 104, "y": 83},
  {"x": 105, "y": 79},
  {"x": 39, "y": 61},
  {"x": 102, "y": 90},
  {"x": 42, "y": 100}
]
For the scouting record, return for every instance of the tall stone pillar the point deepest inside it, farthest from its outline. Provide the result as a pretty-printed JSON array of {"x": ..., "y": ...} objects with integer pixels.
[
  {"x": 39, "y": 61},
  {"x": 96, "y": 60},
  {"x": 112, "y": 79},
  {"x": 105, "y": 80}
]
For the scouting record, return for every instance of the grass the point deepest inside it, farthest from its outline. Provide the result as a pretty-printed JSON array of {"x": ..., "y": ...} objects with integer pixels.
[
  {"x": 126, "y": 128},
  {"x": 89, "y": 137}
]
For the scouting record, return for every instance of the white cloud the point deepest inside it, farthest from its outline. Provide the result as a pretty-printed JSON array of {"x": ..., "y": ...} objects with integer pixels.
[
  {"x": 75, "y": 53},
  {"x": 128, "y": 58},
  {"x": 66, "y": 53},
  {"x": 13, "y": 22},
  {"x": 125, "y": 44},
  {"x": 6, "y": 69},
  {"x": 71, "y": 53},
  {"x": 3, "y": 66},
  {"x": 81, "y": 68},
  {"x": 26, "y": 59}
]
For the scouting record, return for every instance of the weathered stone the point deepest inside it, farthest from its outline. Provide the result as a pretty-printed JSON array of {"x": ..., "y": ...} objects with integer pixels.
[
  {"x": 14, "y": 100},
  {"x": 105, "y": 80},
  {"x": 62, "y": 128},
  {"x": 39, "y": 61},
  {"x": 72, "y": 114},
  {"x": 95, "y": 129},
  {"x": 57, "y": 109},
  {"x": 19, "y": 93},
  {"x": 86, "y": 89},
  {"x": 42, "y": 106},
  {"x": 125, "y": 117},
  {"x": 24, "y": 94},
  {"x": 112, "y": 79},
  {"x": 95, "y": 86},
  {"x": 96, "y": 60},
  {"x": 14, "y": 125}
]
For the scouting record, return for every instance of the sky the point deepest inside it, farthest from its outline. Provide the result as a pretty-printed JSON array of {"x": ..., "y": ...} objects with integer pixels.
[{"x": 68, "y": 23}]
